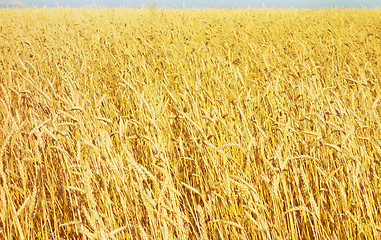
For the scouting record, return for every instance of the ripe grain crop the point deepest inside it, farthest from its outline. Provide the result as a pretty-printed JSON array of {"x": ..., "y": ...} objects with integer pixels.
[{"x": 190, "y": 124}]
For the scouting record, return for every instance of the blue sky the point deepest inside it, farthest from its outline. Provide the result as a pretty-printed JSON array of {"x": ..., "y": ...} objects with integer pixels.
[{"x": 198, "y": 3}]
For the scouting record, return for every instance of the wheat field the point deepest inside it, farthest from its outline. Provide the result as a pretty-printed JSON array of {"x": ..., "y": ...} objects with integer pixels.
[{"x": 190, "y": 124}]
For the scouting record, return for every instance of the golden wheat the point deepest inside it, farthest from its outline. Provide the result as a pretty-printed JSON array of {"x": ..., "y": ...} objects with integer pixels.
[{"x": 190, "y": 124}]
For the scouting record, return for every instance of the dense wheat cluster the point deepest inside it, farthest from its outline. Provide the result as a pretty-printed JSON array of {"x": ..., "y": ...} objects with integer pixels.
[{"x": 190, "y": 124}]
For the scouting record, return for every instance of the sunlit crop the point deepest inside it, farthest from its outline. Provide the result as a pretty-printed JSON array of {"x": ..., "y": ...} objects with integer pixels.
[{"x": 190, "y": 124}]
